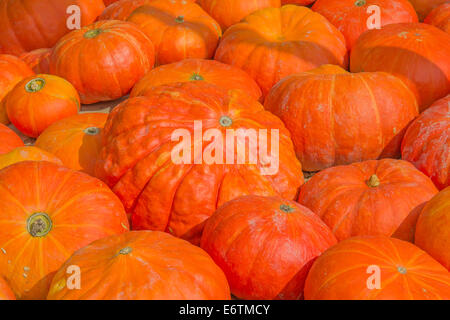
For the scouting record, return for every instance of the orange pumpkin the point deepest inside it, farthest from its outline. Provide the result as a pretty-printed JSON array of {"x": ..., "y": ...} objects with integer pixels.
[
  {"x": 179, "y": 30},
  {"x": 265, "y": 245},
  {"x": 47, "y": 212},
  {"x": 28, "y": 153},
  {"x": 38, "y": 101},
  {"x": 368, "y": 198},
  {"x": 424, "y": 7},
  {"x": 104, "y": 60},
  {"x": 433, "y": 228},
  {"x": 5, "y": 291},
  {"x": 38, "y": 60},
  {"x": 9, "y": 140},
  {"x": 75, "y": 140},
  {"x": 417, "y": 53},
  {"x": 142, "y": 265},
  {"x": 336, "y": 117},
  {"x": 299, "y": 2},
  {"x": 223, "y": 75},
  {"x": 273, "y": 43},
  {"x": 376, "y": 268},
  {"x": 440, "y": 17}
]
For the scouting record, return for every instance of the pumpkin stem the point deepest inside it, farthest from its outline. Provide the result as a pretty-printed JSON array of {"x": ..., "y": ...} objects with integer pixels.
[
  {"x": 92, "y": 33},
  {"x": 225, "y": 121},
  {"x": 196, "y": 77},
  {"x": 286, "y": 208},
  {"x": 125, "y": 250},
  {"x": 92, "y": 131},
  {"x": 360, "y": 3},
  {"x": 402, "y": 270},
  {"x": 373, "y": 181},
  {"x": 35, "y": 85},
  {"x": 179, "y": 19},
  {"x": 39, "y": 224}
]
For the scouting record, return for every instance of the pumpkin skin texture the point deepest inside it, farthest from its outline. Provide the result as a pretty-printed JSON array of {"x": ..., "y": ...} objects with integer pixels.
[
  {"x": 168, "y": 269},
  {"x": 427, "y": 143},
  {"x": 433, "y": 228},
  {"x": 351, "y": 16},
  {"x": 104, "y": 60},
  {"x": 265, "y": 246},
  {"x": 337, "y": 118},
  {"x": 344, "y": 272},
  {"x": 26, "y": 25},
  {"x": 38, "y": 101},
  {"x": 178, "y": 196},
  {"x": 75, "y": 140},
  {"x": 179, "y": 30},
  {"x": 424, "y": 7},
  {"x": 5, "y": 291},
  {"x": 416, "y": 53},
  {"x": 38, "y": 60},
  {"x": 273, "y": 43},
  {"x": 299, "y": 2},
  {"x": 47, "y": 213},
  {"x": 108, "y": 2},
  {"x": 9, "y": 140},
  {"x": 220, "y": 74},
  {"x": 368, "y": 198},
  {"x": 26, "y": 153},
  {"x": 440, "y": 17},
  {"x": 12, "y": 70}
]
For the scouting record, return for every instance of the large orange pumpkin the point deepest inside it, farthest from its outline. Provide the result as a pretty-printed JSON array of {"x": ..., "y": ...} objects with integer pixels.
[
  {"x": 223, "y": 75},
  {"x": 440, "y": 17},
  {"x": 108, "y": 2},
  {"x": 170, "y": 183},
  {"x": 354, "y": 17},
  {"x": 47, "y": 212},
  {"x": 5, "y": 291},
  {"x": 374, "y": 197},
  {"x": 376, "y": 268},
  {"x": 273, "y": 43},
  {"x": 427, "y": 143},
  {"x": 142, "y": 265},
  {"x": 38, "y": 101},
  {"x": 265, "y": 245},
  {"x": 26, "y": 25},
  {"x": 433, "y": 228},
  {"x": 26, "y": 153},
  {"x": 75, "y": 140},
  {"x": 417, "y": 53},
  {"x": 424, "y": 7},
  {"x": 9, "y": 140},
  {"x": 103, "y": 60},
  {"x": 336, "y": 117},
  {"x": 38, "y": 60},
  {"x": 299, "y": 2},
  {"x": 179, "y": 30}
]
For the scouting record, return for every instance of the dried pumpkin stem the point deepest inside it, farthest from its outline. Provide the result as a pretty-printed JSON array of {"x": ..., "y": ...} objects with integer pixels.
[
  {"x": 373, "y": 181},
  {"x": 39, "y": 224}
]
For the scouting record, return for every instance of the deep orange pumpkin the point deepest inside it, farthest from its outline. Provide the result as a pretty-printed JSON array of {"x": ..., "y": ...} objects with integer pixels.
[
  {"x": 38, "y": 101},
  {"x": 9, "y": 140},
  {"x": 38, "y": 60},
  {"x": 142, "y": 265},
  {"x": 139, "y": 158},
  {"x": 368, "y": 198},
  {"x": 299, "y": 2},
  {"x": 26, "y": 153},
  {"x": 427, "y": 143},
  {"x": 348, "y": 271},
  {"x": 5, "y": 291},
  {"x": 108, "y": 2},
  {"x": 223, "y": 75},
  {"x": 433, "y": 228},
  {"x": 265, "y": 245},
  {"x": 352, "y": 17},
  {"x": 47, "y": 212},
  {"x": 336, "y": 117},
  {"x": 75, "y": 140},
  {"x": 103, "y": 60},
  {"x": 440, "y": 17},
  {"x": 424, "y": 7},
  {"x": 273, "y": 43},
  {"x": 417, "y": 53},
  {"x": 26, "y": 25},
  {"x": 179, "y": 30}
]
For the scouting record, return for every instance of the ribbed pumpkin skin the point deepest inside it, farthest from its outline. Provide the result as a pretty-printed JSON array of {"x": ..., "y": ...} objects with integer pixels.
[
  {"x": 220, "y": 74},
  {"x": 427, "y": 143},
  {"x": 142, "y": 265},
  {"x": 26, "y": 25},
  {"x": 5, "y": 291},
  {"x": 38, "y": 60},
  {"x": 336, "y": 117},
  {"x": 38, "y": 101},
  {"x": 368, "y": 198},
  {"x": 406, "y": 272},
  {"x": 300, "y": 2},
  {"x": 416, "y": 53},
  {"x": 351, "y": 16},
  {"x": 433, "y": 228},
  {"x": 9, "y": 140},
  {"x": 273, "y": 43},
  {"x": 229, "y": 12},
  {"x": 108, "y": 2},
  {"x": 12, "y": 70},
  {"x": 75, "y": 140},
  {"x": 440, "y": 17},
  {"x": 103, "y": 66},
  {"x": 81, "y": 209},
  {"x": 179, "y": 30},
  {"x": 424, "y": 7},
  {"x": 136, "y": 158},
  {"x": 265, "y": 245},
  {"x": 26, "y": 153}
]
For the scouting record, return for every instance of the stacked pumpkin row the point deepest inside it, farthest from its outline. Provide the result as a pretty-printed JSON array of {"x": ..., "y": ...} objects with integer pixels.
[{"x": 262, "y": 236}]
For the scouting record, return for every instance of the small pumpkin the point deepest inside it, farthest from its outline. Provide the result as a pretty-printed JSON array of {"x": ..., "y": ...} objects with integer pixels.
[
  {"x": 5, "y": 291},
  {"x": 38, "y": 101},
  {"x": 9, "y": 140},
  {"x": 374, "y": 197},
  {"x": 265, "y": 245},
  {"x": 376, "y": 268},
  {"x": 47, "y": 212},
  {"x": 26, "y": 153},
  {"x": 424, "y": 7},
  {"x": 440, "y": 17},
  {"x": 38, "y": 60}
]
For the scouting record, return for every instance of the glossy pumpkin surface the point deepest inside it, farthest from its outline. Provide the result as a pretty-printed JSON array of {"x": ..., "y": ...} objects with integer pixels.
[
  {"x": 26, "y": 153},
  {"x": 9, "y": 140}
]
